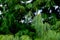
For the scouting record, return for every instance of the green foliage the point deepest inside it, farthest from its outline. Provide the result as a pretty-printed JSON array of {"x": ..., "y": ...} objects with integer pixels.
[
  {"x": 56, "y": 26},
  {"x": 11, "y": 37},
  {"x": 25, "y": 37},
  {"x": 22, "y": 32},
  {"x": 38, "y": 25},
  {"x": 6, "y": 37},
  {"x": 13, "y": 11}
]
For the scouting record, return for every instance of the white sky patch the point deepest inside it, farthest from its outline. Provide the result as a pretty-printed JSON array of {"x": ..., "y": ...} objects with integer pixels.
[
  {"x": 25, "y": 17},
  {"x": 38, "y": 12},
  {"x": 56, "y": 7},
  {"x": 22, "y": 21},
  {"x": 50, "y": 11},
  {"x": 22, "y": 2},
  {"x": 0, "y": 12},
  {"x": 30, "y": 21},
  {"x": 26, "y": 1},
  {"x": 29, "y": 1},
  {"x": 1, "y": 5}
]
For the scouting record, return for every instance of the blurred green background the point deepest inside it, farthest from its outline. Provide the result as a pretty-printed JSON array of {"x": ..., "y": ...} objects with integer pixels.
[{"x": 18, "y": 21}]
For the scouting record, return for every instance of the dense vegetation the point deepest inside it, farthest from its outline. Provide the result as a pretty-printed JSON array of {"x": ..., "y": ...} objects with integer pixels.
[{"x": 29, "y": 20}]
